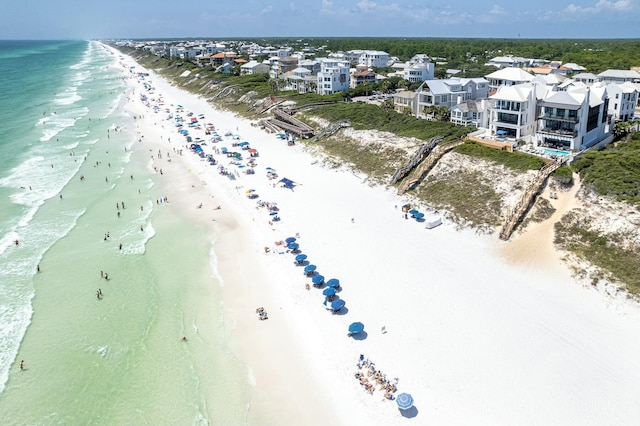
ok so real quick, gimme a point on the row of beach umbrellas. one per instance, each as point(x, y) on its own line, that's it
point(404, 401)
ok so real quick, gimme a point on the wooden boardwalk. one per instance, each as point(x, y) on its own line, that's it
point(516, 215)
point(429, 163)
point(417, 158)
point(292, 124)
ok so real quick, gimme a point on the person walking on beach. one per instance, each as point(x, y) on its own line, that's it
point(22, 364)
point(101, 274)
point(106, 276)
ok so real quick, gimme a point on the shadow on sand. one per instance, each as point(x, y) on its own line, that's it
point(358, 336)
point(410, 413)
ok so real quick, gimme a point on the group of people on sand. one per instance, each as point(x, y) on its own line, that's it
point(369, 377)
point(262, 314)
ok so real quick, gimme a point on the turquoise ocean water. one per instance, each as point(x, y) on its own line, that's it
point(120, 359)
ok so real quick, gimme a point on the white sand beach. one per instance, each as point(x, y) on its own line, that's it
point(473, 335)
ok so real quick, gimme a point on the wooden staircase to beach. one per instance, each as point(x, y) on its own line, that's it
point(287, 122)
point(427, 164)
point(515, 216)
point(331, 129)
point(420, 154)
point(224, 92)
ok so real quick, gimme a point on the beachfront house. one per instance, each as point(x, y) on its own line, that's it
point(575, 119)
point(300, 80)
point(254, 67)
point(471, 113)
point(333, 76)
point(448, 93)
point(508, 77)
point(513, 111)
point(404, 101)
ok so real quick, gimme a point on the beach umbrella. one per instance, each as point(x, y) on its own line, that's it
point(329, 292)
point(290, 240)
point(356, 327)
point(309, 268)
point(418, 215)
point(333, 282)
point(273, 213)
point(413, 211)
point(301, 257)
point(293, 246)
point(404, 401)
point(336, 305)
point(317, 279)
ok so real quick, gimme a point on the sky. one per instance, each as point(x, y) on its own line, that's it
point(217, 19)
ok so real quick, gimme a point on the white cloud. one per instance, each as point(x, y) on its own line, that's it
point(366, 6)
point(266, 9)
point(601, 6)
point(326, 6)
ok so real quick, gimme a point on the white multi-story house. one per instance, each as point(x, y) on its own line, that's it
point(254, 67)
point(419, 68)
point(310, 64)
point(333, 76)
point(508, 77)
point(575, 119)
point(370, 58)
point(513, 111)
point(619, 76)
point(622, 100)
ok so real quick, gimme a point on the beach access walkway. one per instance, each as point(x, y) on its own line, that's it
point(422, 153)
point(288, 122)
point(420, 172)
point(515, 215)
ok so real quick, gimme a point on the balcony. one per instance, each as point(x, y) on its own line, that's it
point(559, 117)
point(567, 133)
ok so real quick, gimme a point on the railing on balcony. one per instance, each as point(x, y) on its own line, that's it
point(558, 132)
point(557, 117)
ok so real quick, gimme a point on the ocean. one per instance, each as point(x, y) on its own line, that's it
point(77, 201)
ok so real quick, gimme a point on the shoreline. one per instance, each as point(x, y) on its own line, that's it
point(462, 325)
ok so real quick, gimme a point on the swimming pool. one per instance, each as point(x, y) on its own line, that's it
point(551, 151)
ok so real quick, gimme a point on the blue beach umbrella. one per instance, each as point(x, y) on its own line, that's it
point(329, 292)
point(317, 279)
point(356, 327)
point(333, 282)
point(290, 240)
point(309, 269)
point(418, 215)
point(293, 246)
point(413, 211)
point(336, 305)
point(301, 257)
point(404, 401)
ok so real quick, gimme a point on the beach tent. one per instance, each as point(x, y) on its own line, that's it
point(288, 183)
